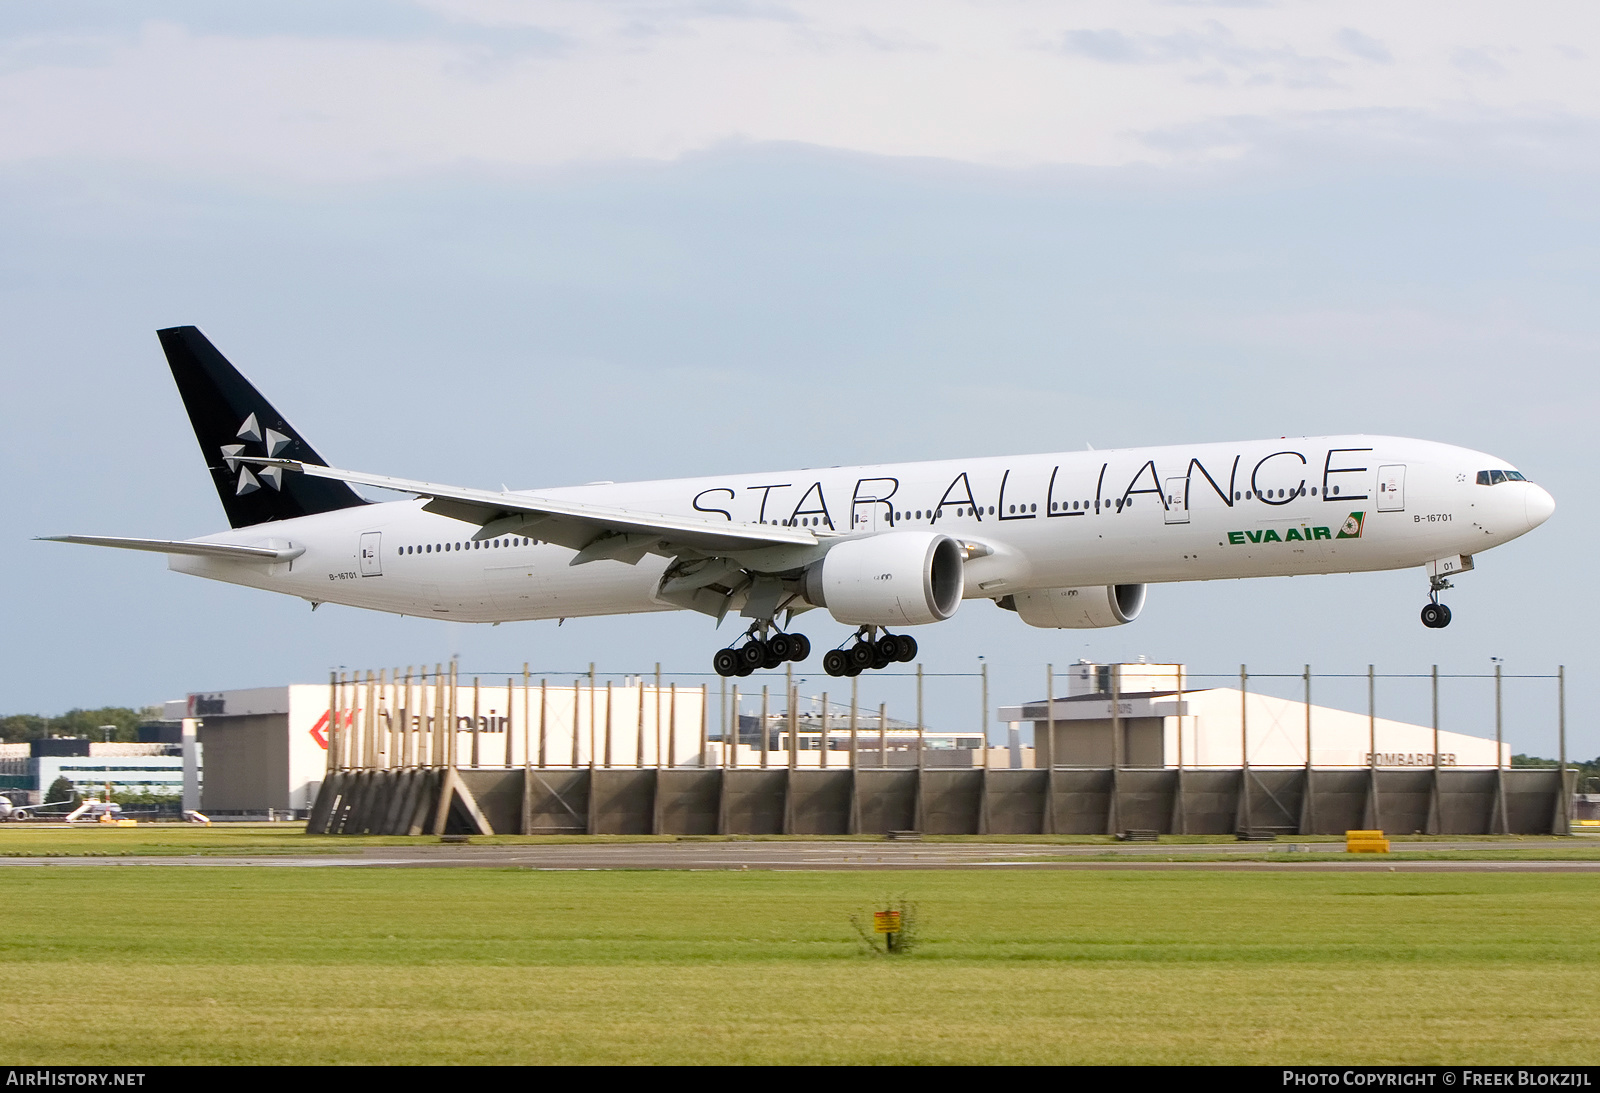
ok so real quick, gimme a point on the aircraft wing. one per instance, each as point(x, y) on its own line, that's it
point(594, 531)
point(180, 546)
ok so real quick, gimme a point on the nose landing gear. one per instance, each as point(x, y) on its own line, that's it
point(865, 652)
point(1435, 615)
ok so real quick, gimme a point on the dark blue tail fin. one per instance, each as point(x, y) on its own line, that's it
point(230, 418)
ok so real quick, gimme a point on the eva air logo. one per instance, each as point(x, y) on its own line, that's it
point(1351, 529)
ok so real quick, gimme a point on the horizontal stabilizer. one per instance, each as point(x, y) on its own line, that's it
point(179, 546)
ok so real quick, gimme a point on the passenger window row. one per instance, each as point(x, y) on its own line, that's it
point(481, 544)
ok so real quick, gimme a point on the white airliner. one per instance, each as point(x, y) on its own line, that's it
point(1065, 540)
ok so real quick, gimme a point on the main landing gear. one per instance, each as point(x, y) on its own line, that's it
point(866, 653)
point(759, 652)
point(1436, 616)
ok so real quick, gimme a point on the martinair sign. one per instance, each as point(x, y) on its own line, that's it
point(1350, 530)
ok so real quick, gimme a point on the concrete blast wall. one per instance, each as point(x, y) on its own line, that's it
point(947, 802)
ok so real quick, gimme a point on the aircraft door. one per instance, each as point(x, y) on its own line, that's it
point(1392, 488)
point(1177, 497)
point(870, 508)
point(372, 554)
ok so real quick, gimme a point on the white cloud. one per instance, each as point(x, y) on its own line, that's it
point(500, 83)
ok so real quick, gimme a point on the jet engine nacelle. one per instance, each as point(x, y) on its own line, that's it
point(1078, 608)
point(897, 578)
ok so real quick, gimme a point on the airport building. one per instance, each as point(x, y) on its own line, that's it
point(29, 769)
point(1142, 716)
point(266, 748)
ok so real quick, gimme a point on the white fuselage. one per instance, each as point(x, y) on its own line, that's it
point(1130, 516)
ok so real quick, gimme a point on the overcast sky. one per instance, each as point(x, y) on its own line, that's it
point(547, 243)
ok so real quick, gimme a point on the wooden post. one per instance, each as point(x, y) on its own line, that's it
point(730, 736)
point(1372, 719)
point(1308, 721)
point(1049, 749)
point(1565, 798)
point(592, 721)
point(331, 733)
point(527, 725)
point(1374, 818)
point(1436, 723)
point(1178, 709)
point(672, 725)
point(883, 734)
point(455, 715)
point(1247, 818)
point(983, 743)
point(510, 704)
point(920, 730)
point(1118, 751)
point(1244, 718)
point(705, 714)
point(369, 725)
point(1502, 824)
point(1434, 820)
point(386, 747)
point(639, 745)
point(1182, 799)
point(658, 715)
point(722, 715)
point(577, 719)
point(1499, 724)
point(853, 708)
point(441, 696)
point(1309, 810)
point(476, 717)
point(608, 725)
point(544, 709)
point(764, 728)
point(408, 753)
point(791, 716)
point(823, 725)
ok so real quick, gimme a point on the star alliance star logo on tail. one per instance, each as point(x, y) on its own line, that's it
point(274, 442)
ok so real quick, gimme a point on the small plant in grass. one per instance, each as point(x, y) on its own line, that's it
point(889, 928)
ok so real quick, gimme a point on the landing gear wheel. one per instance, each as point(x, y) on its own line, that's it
point(835, 662)
point(1436, 616)
point(853, 670)
point(908, 648)
point(726, 662)
point(888, 648)
point(753, 653)
point(879, 660)
point(781, 647)
point(800, 647)
point(773, 659)
point(862, 654)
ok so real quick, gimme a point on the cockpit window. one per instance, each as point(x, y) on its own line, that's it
point(1494, 478)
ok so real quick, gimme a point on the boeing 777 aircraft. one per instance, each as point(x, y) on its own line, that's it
point(1066, 540)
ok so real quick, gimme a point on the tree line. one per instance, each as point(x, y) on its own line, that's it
point(20, 727)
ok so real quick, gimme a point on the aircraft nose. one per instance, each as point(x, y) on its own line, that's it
point(1539, 505)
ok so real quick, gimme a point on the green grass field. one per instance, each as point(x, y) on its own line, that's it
point(27, 840)
point(299, 965)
